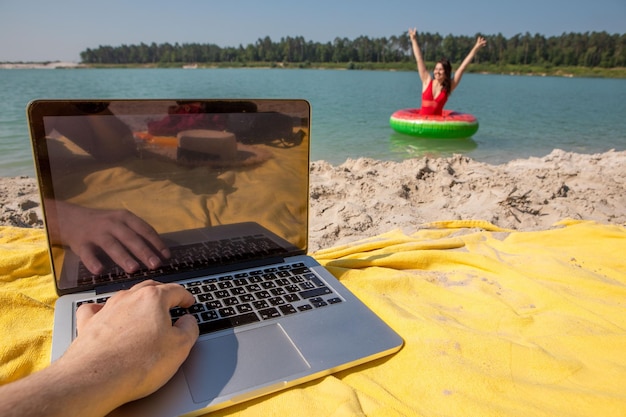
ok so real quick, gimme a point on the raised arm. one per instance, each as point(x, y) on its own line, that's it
point(417, 53)
point(480, 42)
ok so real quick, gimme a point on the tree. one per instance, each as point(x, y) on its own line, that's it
point(597, 49)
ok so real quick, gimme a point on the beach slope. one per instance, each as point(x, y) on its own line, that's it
point(365, 197)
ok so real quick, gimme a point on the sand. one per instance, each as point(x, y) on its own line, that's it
point(365, 197)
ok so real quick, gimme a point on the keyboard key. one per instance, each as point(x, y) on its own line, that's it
point(318, 302)
point(276, 301)
point(246, 298)
point(203, 298)
point(222, 294)
point(237, 291)
point(287, 309)
point(316, 292)
point(244, 308)
point(212, 305)
point(292, 288)
point(208, 315)
point(262, 294)
point(227, 323)
point(316, 281)
point(231, 301)
point(307, 285)
point(292, 298)
point(269, 313)
point(196, 308)
point(297, 280)
point(277, 291)
point(269, 277)
point(260, 304)
point(227, 311)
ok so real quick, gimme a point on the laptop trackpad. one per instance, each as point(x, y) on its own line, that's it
point(238, 361)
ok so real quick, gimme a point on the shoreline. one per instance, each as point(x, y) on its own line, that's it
point(485, 69)
point(41, 65)
point(364, 197)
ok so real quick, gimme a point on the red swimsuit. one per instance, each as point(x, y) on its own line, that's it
point(431, 105)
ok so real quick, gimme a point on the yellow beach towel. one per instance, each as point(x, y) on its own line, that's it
point(27, 299)
point(495, 323)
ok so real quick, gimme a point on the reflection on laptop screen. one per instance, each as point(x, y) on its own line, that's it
point(219, 181)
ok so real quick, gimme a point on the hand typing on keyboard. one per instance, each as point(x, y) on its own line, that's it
point(123, 236)
point(125, 350)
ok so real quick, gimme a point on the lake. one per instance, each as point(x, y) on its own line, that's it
point(519, 116)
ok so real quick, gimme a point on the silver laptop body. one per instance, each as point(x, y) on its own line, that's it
point(225, 184)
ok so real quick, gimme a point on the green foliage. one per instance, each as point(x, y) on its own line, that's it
point(536, 53)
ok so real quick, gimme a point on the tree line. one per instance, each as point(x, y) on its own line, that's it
point(590, 49)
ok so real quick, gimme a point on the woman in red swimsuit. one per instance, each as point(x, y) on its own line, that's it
point(437, 88)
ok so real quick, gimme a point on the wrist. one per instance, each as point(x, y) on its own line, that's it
point(92, 386)
point(59, 390)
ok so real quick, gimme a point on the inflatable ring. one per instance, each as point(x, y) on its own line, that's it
point(450, 125)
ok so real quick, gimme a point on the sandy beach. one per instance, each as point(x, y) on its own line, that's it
point(364, 197)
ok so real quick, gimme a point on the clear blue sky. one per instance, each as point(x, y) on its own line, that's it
point(40, 30)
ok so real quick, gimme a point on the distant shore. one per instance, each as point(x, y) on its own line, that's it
point(364, 197)
point(41, 65)
point(529, 70)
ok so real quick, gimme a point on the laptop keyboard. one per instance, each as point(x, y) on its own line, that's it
point(192, 257)
point(232, 300)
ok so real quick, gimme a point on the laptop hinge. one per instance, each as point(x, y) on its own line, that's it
point(127, 284)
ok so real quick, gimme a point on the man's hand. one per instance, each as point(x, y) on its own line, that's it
point(132, 334)
point(125, 350)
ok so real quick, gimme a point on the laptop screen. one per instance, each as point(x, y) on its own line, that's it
point(124, 177)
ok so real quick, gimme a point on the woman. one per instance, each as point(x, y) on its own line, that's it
point(437, 88)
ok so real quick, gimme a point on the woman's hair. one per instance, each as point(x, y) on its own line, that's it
point(447, 69)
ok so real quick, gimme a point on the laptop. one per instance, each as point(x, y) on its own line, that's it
point(225, 185)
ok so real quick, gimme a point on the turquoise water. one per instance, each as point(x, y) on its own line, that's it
point(519, 116)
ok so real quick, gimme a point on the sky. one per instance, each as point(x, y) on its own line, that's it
point(58, 30)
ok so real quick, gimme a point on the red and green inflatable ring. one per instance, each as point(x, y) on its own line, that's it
point(450, 125)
